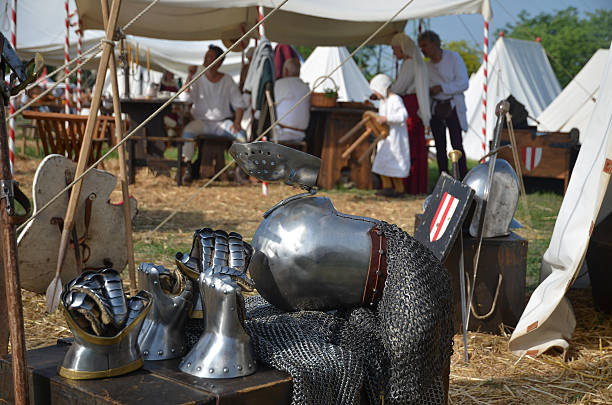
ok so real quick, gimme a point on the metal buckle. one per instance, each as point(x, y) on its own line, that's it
point(7, 190)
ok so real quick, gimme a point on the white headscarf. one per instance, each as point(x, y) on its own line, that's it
point(421, 79)
point(380, 83)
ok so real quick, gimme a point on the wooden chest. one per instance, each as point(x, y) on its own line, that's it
point(541, 154)
point(500, 282)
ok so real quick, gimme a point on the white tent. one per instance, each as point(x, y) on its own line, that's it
point(352, 85)
point(515, 67)
point(46, 35)
point(298, 22)
point(548, 320)
point(574, 106)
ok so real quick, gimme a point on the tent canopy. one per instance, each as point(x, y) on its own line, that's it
point(352, 85)
point(574, 106)
point(548, 320)
point(298, 22)
point(515, 67)
point(46, 35)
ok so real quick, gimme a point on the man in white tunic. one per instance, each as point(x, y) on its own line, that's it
point(392, 162)
point(448, 79)
point(287, 92)
point(211, 97)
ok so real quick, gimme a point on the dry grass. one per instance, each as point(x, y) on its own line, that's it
point(493, 376)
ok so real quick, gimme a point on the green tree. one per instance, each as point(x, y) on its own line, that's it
point(469, 53)
point(569, 39)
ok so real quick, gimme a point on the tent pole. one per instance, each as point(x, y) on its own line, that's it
point(14, 307)
point(485, 51)
point(12, 122)
point(66, 60)
point(122, 165)
point(55, 287)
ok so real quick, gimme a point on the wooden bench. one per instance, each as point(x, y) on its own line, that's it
point(63, 133)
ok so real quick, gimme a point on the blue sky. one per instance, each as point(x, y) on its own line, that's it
point(470, 27)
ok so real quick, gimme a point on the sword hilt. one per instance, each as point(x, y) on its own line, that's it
point(454, 156)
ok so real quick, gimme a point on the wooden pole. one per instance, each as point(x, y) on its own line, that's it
point(122, 165)
point(11, 274)
point(55, 287)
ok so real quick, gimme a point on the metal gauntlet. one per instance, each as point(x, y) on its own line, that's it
point(224, 350)
point(105, 326)
point(162, 335)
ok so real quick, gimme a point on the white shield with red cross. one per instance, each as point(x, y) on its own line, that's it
point(444, 213)
point(531, 157)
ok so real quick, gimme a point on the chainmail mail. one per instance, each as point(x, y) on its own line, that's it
point(400, 350)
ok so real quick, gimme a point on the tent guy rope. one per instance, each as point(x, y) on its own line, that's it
point(142, 124)
point(273, 124)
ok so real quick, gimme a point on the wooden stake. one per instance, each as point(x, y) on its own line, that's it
point(11, 276)
point(55, 287)
point(122, 165)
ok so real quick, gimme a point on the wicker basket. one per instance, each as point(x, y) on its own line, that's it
point(319, 99)
point(322, 100)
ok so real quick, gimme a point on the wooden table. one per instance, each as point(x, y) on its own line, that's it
point(148, 150)
point(327, 125)
point(156, 382)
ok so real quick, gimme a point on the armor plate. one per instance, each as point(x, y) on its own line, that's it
point(308, 256)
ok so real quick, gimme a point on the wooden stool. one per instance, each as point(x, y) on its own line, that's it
point(211, 156)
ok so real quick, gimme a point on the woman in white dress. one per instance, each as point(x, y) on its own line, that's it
point(392, 162)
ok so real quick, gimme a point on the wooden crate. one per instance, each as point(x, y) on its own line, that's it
point(541, 154)
point(503, 256)
point(156, 382)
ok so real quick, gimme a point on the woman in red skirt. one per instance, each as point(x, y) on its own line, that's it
point(412, 85)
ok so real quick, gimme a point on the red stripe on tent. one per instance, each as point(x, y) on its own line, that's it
point(608, 166)
point(532, 326)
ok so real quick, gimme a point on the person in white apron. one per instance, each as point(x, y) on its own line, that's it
point(392, 162)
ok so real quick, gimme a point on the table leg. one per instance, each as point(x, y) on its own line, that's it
point(179, 164)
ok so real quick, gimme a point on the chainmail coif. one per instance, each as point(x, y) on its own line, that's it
point(400, 350)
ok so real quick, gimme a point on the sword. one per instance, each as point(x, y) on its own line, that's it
point(455, 155)
point(500, 110)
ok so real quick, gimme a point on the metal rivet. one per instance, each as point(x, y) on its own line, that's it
point(174, 305)
point(173, 350)
point(250, 365)
point(155, 282)
point(378, 272)
point(188, 364)
point(160, 353)
point(225, 369)
point(211, 370)
point(256, 162)
point(263, 161)
point(145, 353)
point(226, 292)
point(212, 286)
point(212, 385)
point(374, 291)
point(198, 368)
point(239, 367)
point(381, 252)
point(379, 233)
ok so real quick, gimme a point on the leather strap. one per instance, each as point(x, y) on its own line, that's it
point(377, 272)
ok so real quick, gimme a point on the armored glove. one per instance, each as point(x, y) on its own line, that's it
point(162, 335)
point(105, 326)
point(223, 351)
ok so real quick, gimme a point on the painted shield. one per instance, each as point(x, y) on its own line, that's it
point(443, 216)
point(531, 157)
point(444, 213)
